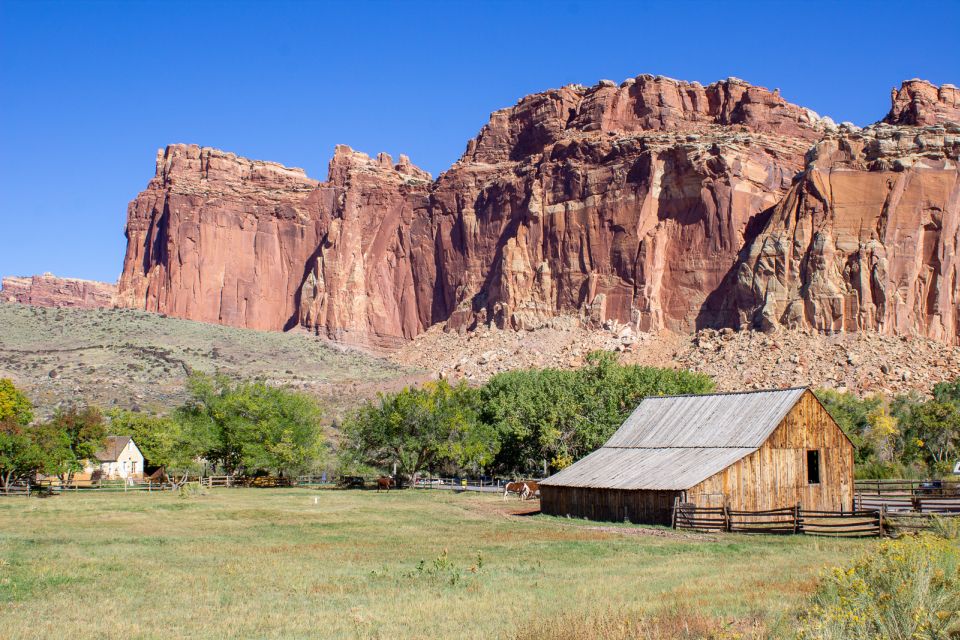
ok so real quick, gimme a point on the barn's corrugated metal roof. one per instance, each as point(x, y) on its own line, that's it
point(652, 469)
point(715, 420)
point(676, 442)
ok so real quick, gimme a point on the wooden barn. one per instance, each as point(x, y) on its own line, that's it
point(748, 451)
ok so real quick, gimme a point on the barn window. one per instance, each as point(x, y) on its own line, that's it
point(813, 467)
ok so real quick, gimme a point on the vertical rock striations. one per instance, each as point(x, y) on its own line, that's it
point(866, 239)
point(219, 238)
point(665, 204)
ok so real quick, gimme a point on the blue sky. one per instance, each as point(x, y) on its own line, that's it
point(90, 90)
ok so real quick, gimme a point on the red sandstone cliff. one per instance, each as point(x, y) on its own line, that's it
point(661, 203)
point(50, 291)
point(867, 238)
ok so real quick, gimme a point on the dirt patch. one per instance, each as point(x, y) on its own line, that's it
point(648, 532)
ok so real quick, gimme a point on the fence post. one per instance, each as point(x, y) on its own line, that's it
point(881, 516)
point(726, 518)
point(796, 519)
point(673, 518)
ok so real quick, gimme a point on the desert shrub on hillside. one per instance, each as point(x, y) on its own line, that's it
point(905, 589)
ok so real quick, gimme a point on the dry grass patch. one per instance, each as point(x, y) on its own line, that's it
point(270, 563)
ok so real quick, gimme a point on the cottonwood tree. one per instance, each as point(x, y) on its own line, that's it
point(19, 456)
point(882, 434)
point(248, 427)
point(937, 425)
point(418, 429)
point(73, 436)
point(15, 406)
point(558, 416)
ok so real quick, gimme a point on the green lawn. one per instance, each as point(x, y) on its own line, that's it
point(299, 563)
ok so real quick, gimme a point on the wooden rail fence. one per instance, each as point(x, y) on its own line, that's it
point(783, 521)
point(908, 487)
point(905, 502)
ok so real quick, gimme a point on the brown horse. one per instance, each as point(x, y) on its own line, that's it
point(523, 488)
point(385, 482)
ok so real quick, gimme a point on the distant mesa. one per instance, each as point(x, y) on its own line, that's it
point(48, 290)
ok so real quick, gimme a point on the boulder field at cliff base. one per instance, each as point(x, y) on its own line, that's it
point(656, 203)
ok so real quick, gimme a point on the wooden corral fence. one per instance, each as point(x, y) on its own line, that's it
point(787, 520)
point(880, 507)
point(908, 487)
point(913, 522)
point(15, 490)
point(908, 496)
point(55, 487)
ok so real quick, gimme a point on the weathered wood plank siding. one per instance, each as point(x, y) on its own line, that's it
point(776, 474)
point(612, 505)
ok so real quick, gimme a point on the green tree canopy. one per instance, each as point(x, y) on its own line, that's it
point(562, 415)
point(19, 456)
point(72, 436)
point(419, 428)
point(248, 427)
point(937, 427)
point(853, 415)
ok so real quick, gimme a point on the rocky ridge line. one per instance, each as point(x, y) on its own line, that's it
point(656, 203)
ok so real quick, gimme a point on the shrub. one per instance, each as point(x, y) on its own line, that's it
point(903, 589)
point(945, 527)
point(192, 490)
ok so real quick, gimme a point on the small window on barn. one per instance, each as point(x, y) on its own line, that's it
point(813, 467)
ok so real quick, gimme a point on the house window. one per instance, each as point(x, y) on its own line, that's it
point(813, 467)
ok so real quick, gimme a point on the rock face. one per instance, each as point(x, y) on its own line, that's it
point(218, 238)
point(920, 103)
point(658, 203)
point(867, 238)
point(50, 291)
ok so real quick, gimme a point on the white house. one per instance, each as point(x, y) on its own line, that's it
point(120, 458)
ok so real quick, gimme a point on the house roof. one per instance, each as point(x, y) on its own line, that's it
point(111, 451)
point(675, 442)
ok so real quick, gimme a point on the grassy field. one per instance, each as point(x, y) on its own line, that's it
point(298, 563)
point(132, 358)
